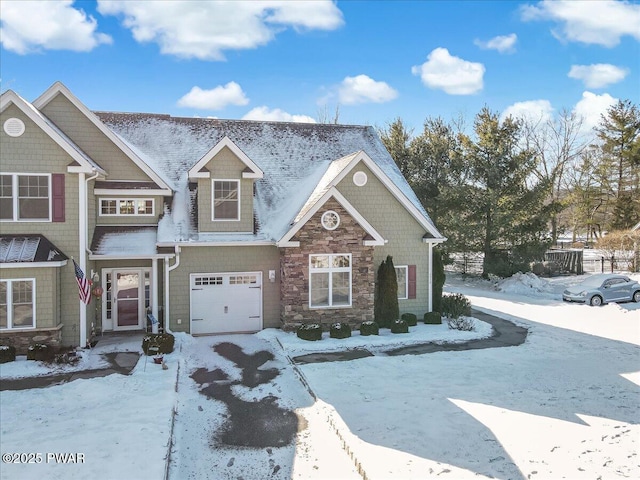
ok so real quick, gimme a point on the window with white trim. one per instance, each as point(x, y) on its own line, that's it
point(226, 200)
point(402, 274)
point(17, 305)
point(25, 197)
point(330, 280)
point(126, 207)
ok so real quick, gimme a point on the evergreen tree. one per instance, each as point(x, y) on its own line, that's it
point(619, 132)
point(509, 214)
point(385, 308)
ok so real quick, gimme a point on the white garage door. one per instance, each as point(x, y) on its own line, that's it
point(226, 302)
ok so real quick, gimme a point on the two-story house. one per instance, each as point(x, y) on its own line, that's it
point(213, 226)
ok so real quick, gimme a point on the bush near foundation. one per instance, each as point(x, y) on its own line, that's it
point(40, 352)
point(369, 328)
point(455, 306)
point(399, 326)
point(340, 330)
point(164, 342)
point(464, 324)
point(309, 331)
point(7, 353)
point(410, 318)
point(433, 318)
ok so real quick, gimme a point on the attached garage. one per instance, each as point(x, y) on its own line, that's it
point(226, 302)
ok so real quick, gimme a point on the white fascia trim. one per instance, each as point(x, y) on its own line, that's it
point(95, 256)
point(332, 192)
point(395, 191)
point(10, 97)
point(132, 193)
point(255, 243)
point(434, 241)
point(195, 172)
point(61, 263)
point(59, 87)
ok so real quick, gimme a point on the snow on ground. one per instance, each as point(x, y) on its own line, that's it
point(562, 405)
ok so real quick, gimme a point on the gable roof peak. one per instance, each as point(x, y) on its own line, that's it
point(199, 170)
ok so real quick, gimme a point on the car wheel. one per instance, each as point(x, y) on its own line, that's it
point(636, 297)
point(596, 301)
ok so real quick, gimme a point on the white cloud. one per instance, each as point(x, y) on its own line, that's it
point(591, 107)
point(363, 89)
point(530, 110)
point(276, 115)
point(205, 29)
point(598, 75)
point(501, 43)
point(33, 26)
point(587, 21)
point(215, 99)
point(452, 74)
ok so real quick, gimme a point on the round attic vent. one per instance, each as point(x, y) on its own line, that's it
point(14, 127)
point(360, 179)
point(330, 220)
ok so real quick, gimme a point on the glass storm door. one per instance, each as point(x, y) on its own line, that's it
point(127, 299)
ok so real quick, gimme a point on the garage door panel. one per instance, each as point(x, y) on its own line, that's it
point(226, 303)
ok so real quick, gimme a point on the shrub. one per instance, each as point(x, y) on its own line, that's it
point(164, 342)
point(309, 331)
point(456, 305)
point(340, 330)
point(399, 326)
point(433, 318)
point(369, 328)
point(7, 353)
point(385, 300)
point(464, 324)
point(40, 352)
point(410, 318)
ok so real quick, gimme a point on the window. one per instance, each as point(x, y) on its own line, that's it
point(226, 200)
point(330, 220)
point(17, 306)
point(126, 206)
point(330, 280)
point(25, 197)
point(401, 274)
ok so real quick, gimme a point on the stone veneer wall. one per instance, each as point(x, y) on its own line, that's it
point(294, 270)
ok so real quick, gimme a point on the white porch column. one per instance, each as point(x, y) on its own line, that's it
point(154, 296)
point(430, 276)
point(82, 250)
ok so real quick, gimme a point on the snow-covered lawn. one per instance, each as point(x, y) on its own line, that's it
point(563, 405)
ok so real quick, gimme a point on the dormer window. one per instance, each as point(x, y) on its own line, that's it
point(226, 200)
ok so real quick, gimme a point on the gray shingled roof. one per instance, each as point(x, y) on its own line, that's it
point(28, 249)
point(294, 158)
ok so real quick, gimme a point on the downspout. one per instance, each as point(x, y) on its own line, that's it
point(430, 270)
point(168, 269)
point(83, 221)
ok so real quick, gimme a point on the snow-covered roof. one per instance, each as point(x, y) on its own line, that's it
point(130, 241)
point(28, 249)
point(299, 160)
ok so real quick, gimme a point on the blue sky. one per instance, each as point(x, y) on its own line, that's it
point(286, 60)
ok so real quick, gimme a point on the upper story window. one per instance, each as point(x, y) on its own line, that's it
point(226, 200)
point(17, 309)
point(25, 197)
point(126, 207)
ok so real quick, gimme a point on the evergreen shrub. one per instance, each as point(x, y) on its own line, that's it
point(410, 318)
point(369, 328)
point(309, 331)
point(455, 306)
point(7, 353)
point(164, 342)
point(40, 352)
point(433, 318)
point(339, 330)
point(385, 300)
point(439, 278)
point(399, 326)
point(464, 324)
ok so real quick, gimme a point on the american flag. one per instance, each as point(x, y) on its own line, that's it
point(84, 284)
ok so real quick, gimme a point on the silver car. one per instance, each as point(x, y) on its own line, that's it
point(603, 288)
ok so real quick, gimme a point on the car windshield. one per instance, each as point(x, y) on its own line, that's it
point(595, 281)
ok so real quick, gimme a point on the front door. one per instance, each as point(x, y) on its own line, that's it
point(127, 295)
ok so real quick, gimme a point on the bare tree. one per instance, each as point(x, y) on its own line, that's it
point(325, 117)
